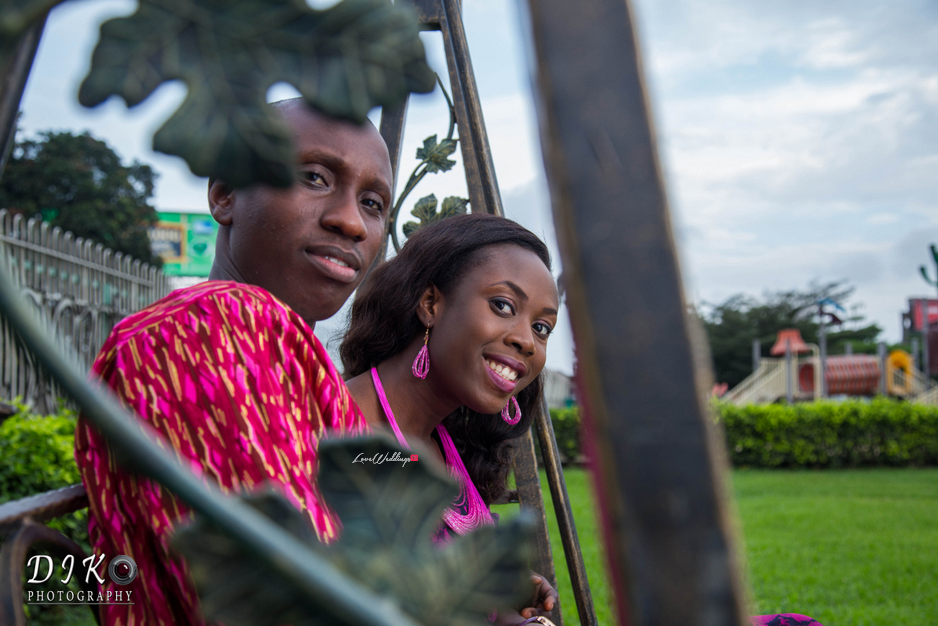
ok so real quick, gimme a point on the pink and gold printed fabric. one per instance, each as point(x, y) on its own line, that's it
point(243, 391)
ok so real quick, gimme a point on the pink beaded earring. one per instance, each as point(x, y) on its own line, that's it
point(422, 362)
point(505, 416)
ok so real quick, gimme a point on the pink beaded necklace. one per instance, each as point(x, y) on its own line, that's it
point(469, 500)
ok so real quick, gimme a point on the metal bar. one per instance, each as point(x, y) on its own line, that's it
point(822, 349)
point(42, 507)
point(565, 522)
point(29, 534)
point(477, 155)
point(392, 130)
point(19, 243)
point(643, 385)
point(14, 72)
point(485, 197)
point(322, 582)
point(881, 358)
point(528, 483)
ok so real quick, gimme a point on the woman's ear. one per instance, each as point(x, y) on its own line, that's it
point(430, 305)
point(221, 201)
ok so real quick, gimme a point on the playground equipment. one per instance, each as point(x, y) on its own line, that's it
point(799, 378)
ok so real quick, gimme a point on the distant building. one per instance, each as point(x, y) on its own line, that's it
point(913, 320)
point(558, 389)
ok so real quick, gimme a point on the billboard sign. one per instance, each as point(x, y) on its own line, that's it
point(185, 242)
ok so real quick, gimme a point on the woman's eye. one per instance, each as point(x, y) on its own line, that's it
point(503, 306)
point(542, 329)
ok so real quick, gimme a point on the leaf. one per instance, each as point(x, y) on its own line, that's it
point(410, 228)
point(344, 60)
point(17, 15)
point(454, 205)
point(388, 512)
point(425, 209)
point(435, 154)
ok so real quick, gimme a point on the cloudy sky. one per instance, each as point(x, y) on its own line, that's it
point(799, 139)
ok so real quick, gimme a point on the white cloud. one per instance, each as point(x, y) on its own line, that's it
point(882, 218)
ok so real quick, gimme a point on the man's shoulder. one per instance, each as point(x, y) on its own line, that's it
point(211, 305)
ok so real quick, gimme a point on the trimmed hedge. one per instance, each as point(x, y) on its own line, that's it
point(37, 454)
point(854, 433)
point(567, 431)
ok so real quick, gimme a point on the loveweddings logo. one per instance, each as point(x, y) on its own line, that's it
point(385, 457)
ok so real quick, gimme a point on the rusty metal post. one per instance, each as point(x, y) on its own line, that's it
point(565, 523)
point(659, 465)
point(15, 65)
point(528, 482)
point(484, 196)
point(392, 131)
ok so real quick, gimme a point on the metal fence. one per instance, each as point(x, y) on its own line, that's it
point(79, 289)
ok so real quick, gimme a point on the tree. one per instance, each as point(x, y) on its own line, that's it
point(78, 183)
point(733, 325)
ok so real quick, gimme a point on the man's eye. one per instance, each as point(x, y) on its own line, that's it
point(375, 205)
point(313, 177)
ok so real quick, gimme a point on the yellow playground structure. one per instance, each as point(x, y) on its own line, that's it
point(794, 373)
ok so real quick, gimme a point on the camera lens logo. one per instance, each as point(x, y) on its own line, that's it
point(122, 570)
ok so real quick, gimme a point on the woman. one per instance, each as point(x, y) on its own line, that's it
point(445, 346)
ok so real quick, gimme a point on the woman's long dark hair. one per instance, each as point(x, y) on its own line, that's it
point(384, 322)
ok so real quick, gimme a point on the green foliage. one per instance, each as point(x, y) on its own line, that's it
point(38, 454)
point(78, 183)
point(831, 434)
point(425, 211)
point(389, 512)
point(566, 424)
point(344, 60)
point(732, 326)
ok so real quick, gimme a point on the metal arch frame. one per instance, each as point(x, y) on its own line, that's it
point(484, 196)
point(643, 367)
point(671, 551)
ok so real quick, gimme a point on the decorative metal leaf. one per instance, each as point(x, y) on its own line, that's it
point(454, 205)
point(435, 154)
point(234, 588)
point(389, 511)
point(344, 60)
point(425, 211)
point(410, 228)
point(16, 15)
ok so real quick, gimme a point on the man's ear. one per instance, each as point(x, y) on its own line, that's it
point(430, 305)
point(220, 201)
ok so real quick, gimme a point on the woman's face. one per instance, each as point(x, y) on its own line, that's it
point(489, 336)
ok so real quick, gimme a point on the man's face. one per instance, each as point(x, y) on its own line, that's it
point(311, 244)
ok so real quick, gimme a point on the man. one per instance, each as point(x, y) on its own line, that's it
point(229, 371)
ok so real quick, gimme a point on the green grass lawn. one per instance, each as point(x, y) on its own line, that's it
point(848, 547)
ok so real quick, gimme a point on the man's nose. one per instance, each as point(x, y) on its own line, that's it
point(342, 215)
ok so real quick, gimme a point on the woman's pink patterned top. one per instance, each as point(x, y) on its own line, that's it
point(240, 387)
